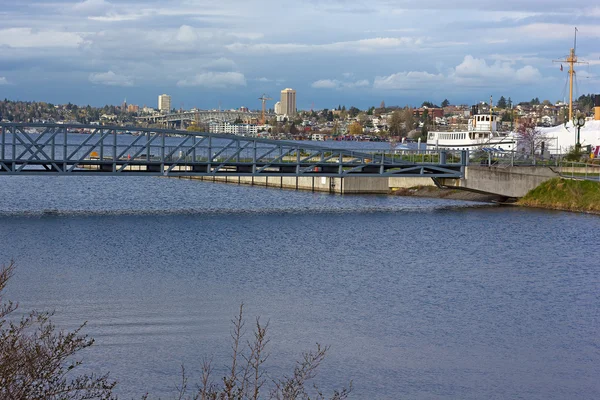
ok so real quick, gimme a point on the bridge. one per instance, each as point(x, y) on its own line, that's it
point(72, 149)
point(187, 117)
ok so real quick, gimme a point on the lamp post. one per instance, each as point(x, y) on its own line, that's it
point(578, 122)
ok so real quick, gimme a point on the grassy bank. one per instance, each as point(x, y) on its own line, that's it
point(565, 194)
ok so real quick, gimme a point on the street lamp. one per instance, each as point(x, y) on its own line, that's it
point(578, 122)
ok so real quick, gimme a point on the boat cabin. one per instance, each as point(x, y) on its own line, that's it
point(483, 123)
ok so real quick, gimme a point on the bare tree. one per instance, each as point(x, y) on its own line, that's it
point(37, 360)
point(408, 119)
point(247, 375)
point(396, 124)
point(529, 138)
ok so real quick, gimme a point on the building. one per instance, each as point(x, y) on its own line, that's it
point(277, 108)
point(164, 103)
point(233, 129)
point(288, 102)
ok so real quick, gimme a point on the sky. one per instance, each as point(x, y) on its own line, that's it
point(227, 53)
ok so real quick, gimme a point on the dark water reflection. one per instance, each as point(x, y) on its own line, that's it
point(418, 298)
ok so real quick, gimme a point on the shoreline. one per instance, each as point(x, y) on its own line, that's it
point(449, 194)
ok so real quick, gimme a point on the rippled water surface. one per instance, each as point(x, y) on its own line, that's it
point(418, 298)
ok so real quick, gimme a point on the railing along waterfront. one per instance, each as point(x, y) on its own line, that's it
point(88, 149)
point(578, 170)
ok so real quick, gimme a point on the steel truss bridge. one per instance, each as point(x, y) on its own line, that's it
point(201, 117)
point(62, 149)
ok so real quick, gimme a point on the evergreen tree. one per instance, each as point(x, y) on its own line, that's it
point(502, 102)
point(445, 103)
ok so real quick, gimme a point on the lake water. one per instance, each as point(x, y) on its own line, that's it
point(418, 298)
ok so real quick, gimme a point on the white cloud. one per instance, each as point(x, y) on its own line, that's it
point(550, 31)
point(110, 79)
point(186, 34)
point(408, 80)
point(220, 64)
point(215, 80)
point(325, 84)
point(471, 72)
point(30, 38)
point(477, 71)
point(3, 80)
point(92, 7)
point(363, 45)
point(337, 84)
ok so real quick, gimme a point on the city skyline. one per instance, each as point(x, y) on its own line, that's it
point(205, 55)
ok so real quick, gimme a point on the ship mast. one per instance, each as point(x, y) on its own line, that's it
point(571, 60)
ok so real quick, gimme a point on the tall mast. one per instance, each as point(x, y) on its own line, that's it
point(571, 60)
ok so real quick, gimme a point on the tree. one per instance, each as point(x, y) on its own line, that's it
point(428, 104)
point(355, 129)
point(425, 117)
point(353, 112)
point(529, 138)
point(36, 360)
point(424, 132)
point(445, 103)
point(396, 123)
point(408, 119)
point(362, 118)
point(502, 102)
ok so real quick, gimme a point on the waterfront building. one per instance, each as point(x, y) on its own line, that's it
point(164, 103)
point(233, 129)
point(288, 102)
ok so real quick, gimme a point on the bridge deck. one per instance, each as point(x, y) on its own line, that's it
point(100, 150)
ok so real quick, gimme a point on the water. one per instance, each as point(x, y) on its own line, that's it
point(418, 298)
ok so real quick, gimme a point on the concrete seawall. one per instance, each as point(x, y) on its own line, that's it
point(348, 185)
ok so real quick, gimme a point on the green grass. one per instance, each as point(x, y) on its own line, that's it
point(565, 194)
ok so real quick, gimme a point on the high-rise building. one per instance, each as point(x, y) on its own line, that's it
point(164, 103)
point(288, 102)
point(278, 108)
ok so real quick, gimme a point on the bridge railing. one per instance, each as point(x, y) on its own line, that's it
point(579, 170)
point(504, 159)
point(69, 148)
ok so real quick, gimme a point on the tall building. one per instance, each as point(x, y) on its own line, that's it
point(164, 103)
point(288, 102)
point(278, 108)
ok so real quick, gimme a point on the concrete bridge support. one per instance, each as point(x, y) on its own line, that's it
point(503, 181)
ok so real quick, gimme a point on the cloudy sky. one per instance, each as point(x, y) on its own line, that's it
point(352, 52)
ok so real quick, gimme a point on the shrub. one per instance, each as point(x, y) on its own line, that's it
point(37, 360)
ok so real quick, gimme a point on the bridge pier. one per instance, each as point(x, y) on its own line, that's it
point(503, 181)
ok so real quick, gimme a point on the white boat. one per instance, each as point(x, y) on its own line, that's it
point(481, 133)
